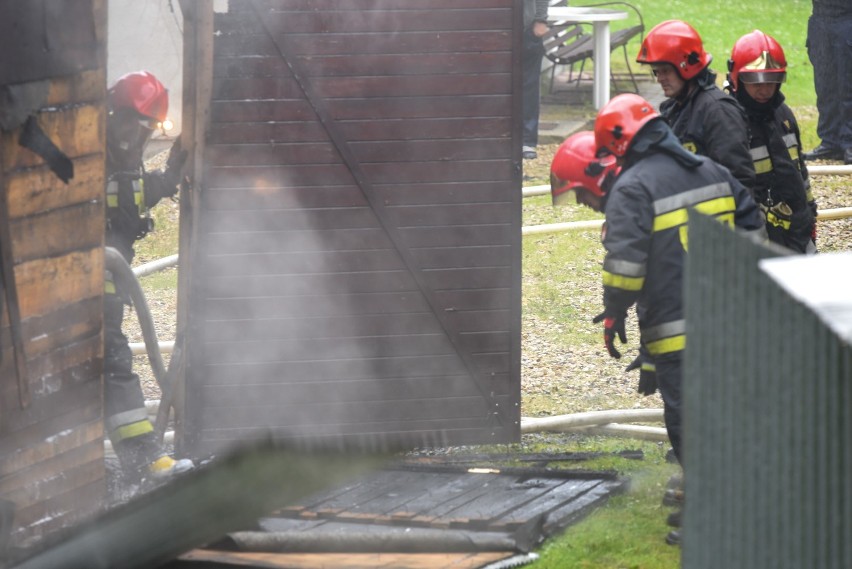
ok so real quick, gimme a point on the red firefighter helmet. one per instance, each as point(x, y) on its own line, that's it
point(142, 92)
point(677, 43)
point(576, 167)
point(757, 58)
point(619, 121)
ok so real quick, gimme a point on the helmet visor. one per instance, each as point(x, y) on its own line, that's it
point(763, 76)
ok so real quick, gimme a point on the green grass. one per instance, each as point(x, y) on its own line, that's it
point(720, 24)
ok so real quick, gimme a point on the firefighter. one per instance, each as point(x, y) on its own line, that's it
point(706, 120)
point(137, 104)
point(576, 168)
point(645, 237)
point(756, 70)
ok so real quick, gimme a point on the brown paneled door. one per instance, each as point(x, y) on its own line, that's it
point(355, 270)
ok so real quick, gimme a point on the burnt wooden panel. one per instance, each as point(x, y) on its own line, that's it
point(51, 445)
point(41, 39)
point(357, 264)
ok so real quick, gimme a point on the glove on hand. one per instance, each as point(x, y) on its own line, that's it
point(647, 374)
point(174, 166)
point(613, 324)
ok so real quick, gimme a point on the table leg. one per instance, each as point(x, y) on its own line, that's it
point(601, 54)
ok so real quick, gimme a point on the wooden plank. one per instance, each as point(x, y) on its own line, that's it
point(88, 86)
point(474, 299)
point(296, 285)
point(390, 21)
point(318, 305)
point(56, 473)
point(59, 232)
point(260, 351)
point(386, 151)
point(69, 324)
point(328, 327)
point(39, 442)
point(449, 234)
point(560, 496)
point(60, 512)
point(436, 85)
point(283, 241)
point(334, 370)
point(362, 130)
point(357, 499)
point(48, 284)
point(37, 190)
point(238, 43)
point(347, 390)
point(375, 108)
point(77, 131)
point(316, 262)
point(349, 560)
point(392, 64)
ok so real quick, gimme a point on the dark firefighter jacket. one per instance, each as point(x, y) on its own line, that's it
point(782, 188)
point(711, 123)
point(129, 197)
point(645, 233)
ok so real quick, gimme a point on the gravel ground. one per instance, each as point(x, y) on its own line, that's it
point(576, 381)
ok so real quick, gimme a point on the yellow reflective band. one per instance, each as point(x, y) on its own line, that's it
point(622, 282)
point(678, 217)
point(794, 152)
point(112, 200)
point(109, 287)
point(646, 366)
point(809, 195)
point(776, 221)
point(132, 430)
point(763, 166)
point(667, 345)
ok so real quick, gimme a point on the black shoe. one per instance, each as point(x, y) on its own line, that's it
point(673, 538)
point(528, 153)
point(673, 497)
point(847, 156)
point(823, 152)
point(675, 518)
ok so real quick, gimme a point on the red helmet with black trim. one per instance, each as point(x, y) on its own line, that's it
point(619, 121)
point(576, 167)
point(677, 43)
point(142, 92)
point(757, 58)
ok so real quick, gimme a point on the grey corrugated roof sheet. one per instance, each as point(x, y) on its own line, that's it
point(822, 282)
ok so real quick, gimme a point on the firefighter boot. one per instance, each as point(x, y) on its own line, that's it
point(166, 467)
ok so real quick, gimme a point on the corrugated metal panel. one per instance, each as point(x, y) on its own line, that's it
point(768, 425)
point(51, 442)
point(358, 272)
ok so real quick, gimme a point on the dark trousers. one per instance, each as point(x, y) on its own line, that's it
point(533, 53)
point(669, 382)
point(830, 51)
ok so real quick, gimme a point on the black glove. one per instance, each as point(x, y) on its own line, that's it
point(174, 166)
point(647, 374)
point(613, 324)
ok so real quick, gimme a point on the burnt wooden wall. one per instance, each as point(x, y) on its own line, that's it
point(355, 269)
point(51, 431)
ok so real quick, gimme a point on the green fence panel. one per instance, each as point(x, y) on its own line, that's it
point(767, 415)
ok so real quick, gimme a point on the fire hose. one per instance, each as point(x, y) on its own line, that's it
point(126, 280)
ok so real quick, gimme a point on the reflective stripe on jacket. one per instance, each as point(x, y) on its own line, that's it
point(646, 238)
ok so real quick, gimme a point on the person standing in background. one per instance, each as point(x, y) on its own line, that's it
point(829, 46)
point(757, 69)
point(706, 120)
point(535, 26)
